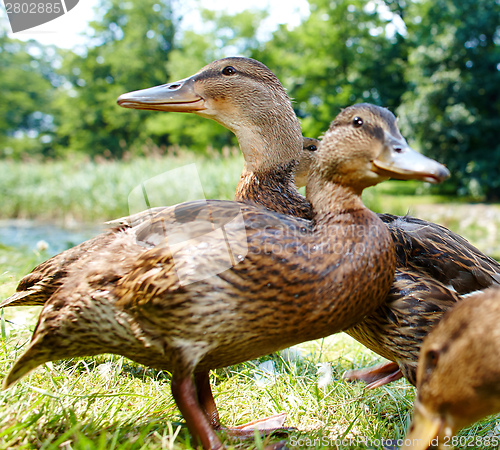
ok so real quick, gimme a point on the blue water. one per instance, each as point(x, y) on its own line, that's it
point(28, 234)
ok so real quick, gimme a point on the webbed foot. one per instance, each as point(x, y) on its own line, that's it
point(375, 376)
point(266, 426)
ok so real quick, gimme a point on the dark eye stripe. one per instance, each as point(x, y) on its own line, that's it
point(211, 73)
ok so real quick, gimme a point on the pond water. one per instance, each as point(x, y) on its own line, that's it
point(28, 234)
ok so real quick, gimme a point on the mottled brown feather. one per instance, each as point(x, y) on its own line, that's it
point(436, 268)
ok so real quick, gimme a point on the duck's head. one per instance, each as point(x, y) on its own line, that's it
point(363, 147)
point(241, 94)
point(309, 147)
point(458, 375)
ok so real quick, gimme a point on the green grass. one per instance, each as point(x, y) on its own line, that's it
point(109, 402)
point(90, 192)
point(83, 191)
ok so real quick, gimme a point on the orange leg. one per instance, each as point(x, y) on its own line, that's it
point(206, 400)
point(375, 376)
point(185, 395)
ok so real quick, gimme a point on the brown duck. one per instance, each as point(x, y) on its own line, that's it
point(256, 100)
point(152, 297)
point(434, 266)
point(458, 375)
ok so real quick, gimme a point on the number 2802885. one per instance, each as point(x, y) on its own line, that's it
point(33, 8)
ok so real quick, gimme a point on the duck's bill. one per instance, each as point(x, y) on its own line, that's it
point(400, 161)
point(424, 430)
point(178, 96)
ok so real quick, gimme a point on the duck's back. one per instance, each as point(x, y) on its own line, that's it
point(153, 293)
point(443, 255)
point(436, 269)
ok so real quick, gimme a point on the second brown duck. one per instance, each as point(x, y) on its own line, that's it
point(434, 266)
point(436, 269)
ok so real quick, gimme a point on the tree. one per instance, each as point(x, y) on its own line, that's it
point(28, 80)
point(453, 106)
point(344, 52)
point(129, 50)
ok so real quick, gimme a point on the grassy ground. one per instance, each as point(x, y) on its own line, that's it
point(108, 402)
point(82, 191)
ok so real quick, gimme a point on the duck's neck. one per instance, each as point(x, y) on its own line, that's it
point(274, 190)
point(272, 146)
point(269, 133)
point(353, 251)
point(331, 199)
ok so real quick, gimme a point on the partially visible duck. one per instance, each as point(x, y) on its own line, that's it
point(309, 147)
point(458, 375)
point(436, 269)
point(150, 298)
point(246, 97)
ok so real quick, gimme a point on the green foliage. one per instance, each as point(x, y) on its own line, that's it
point(27, 79)
point(438, 61)
point(128, 50)
point(453, 108)
point(343, 53)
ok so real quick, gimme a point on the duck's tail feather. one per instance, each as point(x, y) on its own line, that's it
point(36, 354)
point(25, 298)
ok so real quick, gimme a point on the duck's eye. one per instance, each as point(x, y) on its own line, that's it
point(431, 360)
point(229, 70)
point(357, 122)
point(312, 148)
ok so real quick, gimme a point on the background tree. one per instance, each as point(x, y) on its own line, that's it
point(437, 60)
point(346, 51)
point(452, 106)
point(28, 81)
point(128, 50)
